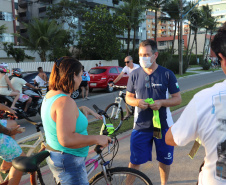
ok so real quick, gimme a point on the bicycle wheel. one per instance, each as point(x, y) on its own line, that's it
point(115, 114)
point(119, 175)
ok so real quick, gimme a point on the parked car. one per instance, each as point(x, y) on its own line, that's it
point(30, 75)
point(101, 76)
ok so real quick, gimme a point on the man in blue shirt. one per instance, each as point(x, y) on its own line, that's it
point(156, 82)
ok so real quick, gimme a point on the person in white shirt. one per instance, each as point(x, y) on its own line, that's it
point(41, 78)
point(129, 67)
point(205, 118)
point(18, 82)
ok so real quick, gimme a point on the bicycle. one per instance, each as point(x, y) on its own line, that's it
point(38, 137)
point(115, 111)
point(108, 175)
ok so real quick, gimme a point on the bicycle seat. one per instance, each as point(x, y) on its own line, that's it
point(29, 164)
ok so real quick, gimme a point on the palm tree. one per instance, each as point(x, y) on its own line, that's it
point(172, 9)
point(155, 5)
point(138, 11)
point(125, 11)
point(196, 21)
point(43, 35)
point(212, 25)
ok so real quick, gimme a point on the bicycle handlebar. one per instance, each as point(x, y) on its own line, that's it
point(99, 111)
point(120, 86)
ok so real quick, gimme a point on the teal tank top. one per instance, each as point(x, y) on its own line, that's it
point(50, 128)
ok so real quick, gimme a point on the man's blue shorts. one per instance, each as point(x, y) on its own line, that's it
point(141, 148)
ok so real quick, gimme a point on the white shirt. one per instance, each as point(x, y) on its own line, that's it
point(128, 70)
point(205, 117)
point(18, 83)
point(40, 81)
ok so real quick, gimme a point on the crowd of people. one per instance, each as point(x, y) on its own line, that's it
point(65, 124)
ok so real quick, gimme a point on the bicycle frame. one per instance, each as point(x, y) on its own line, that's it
point(119, 100)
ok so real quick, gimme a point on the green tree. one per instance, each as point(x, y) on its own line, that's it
point(172, 9)
point(137, 18)
point(99, 38)
point(43, 36)
point(125, 10)
point(69, 12)
point(17, 53)
point(196, 21)
point(3, 29)
point(155, 5)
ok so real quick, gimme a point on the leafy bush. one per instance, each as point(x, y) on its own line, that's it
point(206, 66)
point(193, 60)
point(173, 65)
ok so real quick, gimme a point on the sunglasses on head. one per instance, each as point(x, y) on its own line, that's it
point(126, 62)
point(58, 61)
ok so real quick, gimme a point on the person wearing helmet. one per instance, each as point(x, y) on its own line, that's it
point(18, 83)
point(5, 82)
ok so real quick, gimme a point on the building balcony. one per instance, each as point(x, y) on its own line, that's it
point(153, 29)
point(153, 23)
point(163, 35)
point(23, 3)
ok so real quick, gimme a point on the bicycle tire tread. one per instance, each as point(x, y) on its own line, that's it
point(121, 169)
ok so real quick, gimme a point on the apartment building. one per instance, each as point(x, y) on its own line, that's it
point(218, 8)
point(164, 28)
point(8, 14)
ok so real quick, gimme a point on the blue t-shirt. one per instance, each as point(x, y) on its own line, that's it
point(85, 76)
point(157, 86)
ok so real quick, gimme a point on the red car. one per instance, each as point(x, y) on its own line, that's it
point(102, 75)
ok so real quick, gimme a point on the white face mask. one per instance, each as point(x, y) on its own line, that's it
point(145, 62)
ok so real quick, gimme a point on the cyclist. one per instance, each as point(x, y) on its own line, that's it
point(9, 148)
point(129, 67)
point(65, 125)
point(5, 82)
point(18, 83)
point(205, 118)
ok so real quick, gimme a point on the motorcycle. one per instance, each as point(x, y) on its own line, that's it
point(33, 109)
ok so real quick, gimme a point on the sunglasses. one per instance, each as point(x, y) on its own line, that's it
point(147, 82)
point(126, 62)
point(58, 61)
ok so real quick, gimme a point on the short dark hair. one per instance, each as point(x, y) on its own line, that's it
point(62, 75)
point(40, 69)
point(151, 43)
point(218, 44)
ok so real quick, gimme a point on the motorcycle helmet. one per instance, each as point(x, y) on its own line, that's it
point(17, 72)
point(3, 68)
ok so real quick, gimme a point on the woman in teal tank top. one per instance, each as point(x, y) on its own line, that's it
point(65, 124)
